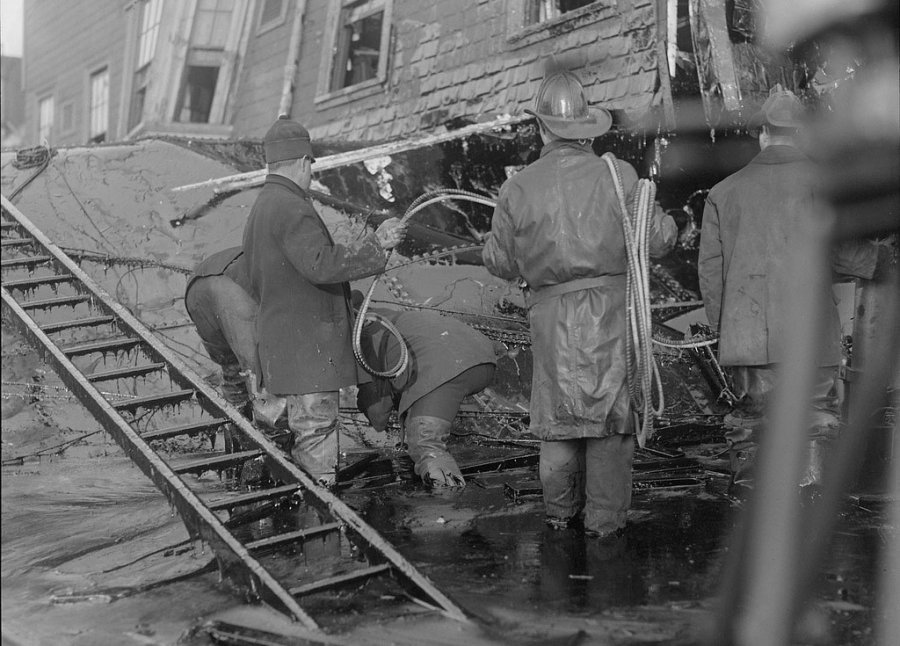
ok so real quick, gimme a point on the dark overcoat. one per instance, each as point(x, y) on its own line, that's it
point(752, 221)
point(557, 221)
point(300, 278)
point(440, 348)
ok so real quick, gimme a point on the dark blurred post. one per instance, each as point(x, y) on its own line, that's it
point(778, 552)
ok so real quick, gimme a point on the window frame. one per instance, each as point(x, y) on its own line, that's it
point(263, 27)
point(518, 34)
point(229, 57)
point(143, 61)
point(92, 75)
point(338, 9)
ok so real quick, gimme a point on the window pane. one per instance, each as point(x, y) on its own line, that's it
point(362, 40)
point(271, 10)
point(45, 118)
point(99, 105)
point(211, 23)
point(150, 17)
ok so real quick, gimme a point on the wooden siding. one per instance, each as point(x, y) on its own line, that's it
point(453, 59)
point(64, 43)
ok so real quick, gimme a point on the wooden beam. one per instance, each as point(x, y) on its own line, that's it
point(257, 177)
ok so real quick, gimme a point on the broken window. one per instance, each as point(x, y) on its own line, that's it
point(537, 11)
point(197, 94)
point(359, 45)
point(211, 34)
point(99, 109)
point(45, 118)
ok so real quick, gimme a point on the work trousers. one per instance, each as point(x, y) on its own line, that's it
point(589, 477)
point(443, 402)
point(754, 386)
point(225, 317)
point(313, 421)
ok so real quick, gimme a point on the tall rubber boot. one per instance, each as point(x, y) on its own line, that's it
point(313, 421)
point(427, 440)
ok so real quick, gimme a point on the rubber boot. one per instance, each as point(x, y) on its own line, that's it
point(267, 408)
point(427, 441)
point(313, 421)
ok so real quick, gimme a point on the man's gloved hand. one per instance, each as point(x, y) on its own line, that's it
point(390, 233)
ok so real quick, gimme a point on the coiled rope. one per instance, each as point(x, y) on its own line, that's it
point(426, 199)
point(643, 372)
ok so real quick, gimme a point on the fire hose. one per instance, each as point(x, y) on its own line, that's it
point(426, 199)
point(642, 369)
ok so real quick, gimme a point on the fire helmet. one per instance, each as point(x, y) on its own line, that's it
point(561, 106)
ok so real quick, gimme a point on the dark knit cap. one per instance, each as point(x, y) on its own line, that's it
point(285, 140)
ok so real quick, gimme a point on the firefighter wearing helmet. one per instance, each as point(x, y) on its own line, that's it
point(558, 226)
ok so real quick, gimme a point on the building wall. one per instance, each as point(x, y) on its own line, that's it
point(449, 61)
point(454, 59)
point(64, 43)
point(259, 88)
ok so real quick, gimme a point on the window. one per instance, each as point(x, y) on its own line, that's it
point(45, 118)
point(358, 45)
point(537, 11)
point(67, 117)
point(197, 94)
point(210, 34)
point(151, 14)
point(532, 21)
point(271, 14)
point(99, 106)
point(356, 48)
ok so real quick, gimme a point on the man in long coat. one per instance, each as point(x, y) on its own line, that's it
point(448, 360)
point(558, 225)
point(751, 222)
point(300, 278)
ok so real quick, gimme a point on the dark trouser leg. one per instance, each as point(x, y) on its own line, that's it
point(562, 465)
point(313, 420)
point(428, 424)
point(823, 427)
point(607, 482)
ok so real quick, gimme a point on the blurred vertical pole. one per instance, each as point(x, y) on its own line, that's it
point(888, 627)
point(773, 524)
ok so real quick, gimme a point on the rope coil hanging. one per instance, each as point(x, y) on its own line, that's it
point(426, 199)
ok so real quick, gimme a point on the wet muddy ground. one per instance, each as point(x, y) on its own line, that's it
point(92, 553)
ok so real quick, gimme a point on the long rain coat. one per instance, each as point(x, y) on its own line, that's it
point(558, 220)
point(751, 221)
point(299, 276)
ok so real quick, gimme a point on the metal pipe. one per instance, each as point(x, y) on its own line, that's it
point(293, 60)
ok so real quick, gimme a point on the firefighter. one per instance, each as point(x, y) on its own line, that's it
point(558, 226)
point(448, 360)
point(299, 275)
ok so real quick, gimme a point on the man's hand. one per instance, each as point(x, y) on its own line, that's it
point(390, 233)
